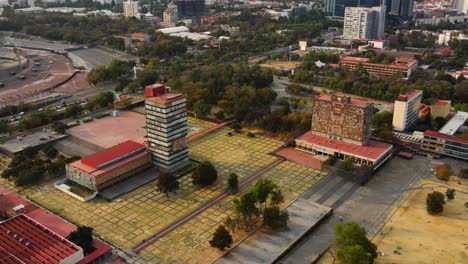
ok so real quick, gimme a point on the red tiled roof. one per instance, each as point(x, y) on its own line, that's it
point(115, 153)
point(114, 166)
point(410, 95)
point(166, 98)
point(100, 249)
point(139, 35)
point(441, 103)
point(22, 238)
point(444, 136)
point(354, 101)
point(373, 150)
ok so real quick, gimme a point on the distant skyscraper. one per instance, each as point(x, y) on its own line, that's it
point(337, 7)
point(403, 8)
point(363, 22)
point(130, 8)
point(171, 15)
point(190, 8)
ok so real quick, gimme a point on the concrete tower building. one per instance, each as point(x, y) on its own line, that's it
point(130, 8)
point(166, 126)
point(171, 15)
point(362, 22)
point(406, 110)
point(403, 8)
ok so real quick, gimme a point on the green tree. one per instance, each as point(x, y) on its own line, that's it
point(73, 110)
point(350, 234)
point(83, 237)
point(236, 126)
point(450, 194)
point(132, 87)
point(230, 223)
point(3, 126)
point(167, 183)
point(233, 183)
point(274, 218)
point(204, 174)
point(50, 151)
point(246, 209)
point(201, 108)
point(347, 164)
point(354, 254)
point(221, 238)
point(262, 190)
point(59, 127)
point(435, 203)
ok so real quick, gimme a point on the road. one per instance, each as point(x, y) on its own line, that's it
point(30, 41)
point(367, 205)
point(279, 86)
point(91, 57)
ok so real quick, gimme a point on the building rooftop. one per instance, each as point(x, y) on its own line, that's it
point(111, 155)
point(445, 136)
point(172, 30)
point(352, 101)
point(23, 240)
point(139, 35)
point(441, 103)
point(399, 63)
point(373, 150)
point(409, 96)
point(165, 98)
point(451, 127)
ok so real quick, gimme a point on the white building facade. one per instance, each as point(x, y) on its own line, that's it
point(364, 23)
point(130, 8)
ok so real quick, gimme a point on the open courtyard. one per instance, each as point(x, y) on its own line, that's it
point(414, 236)
point(139, 214)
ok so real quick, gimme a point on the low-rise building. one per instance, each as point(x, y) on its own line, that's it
point(341, 128)
point(448, 145)
point(401, 66)
point(440, 108)
point(139, 36)
point(23, 240)
point(109, 166)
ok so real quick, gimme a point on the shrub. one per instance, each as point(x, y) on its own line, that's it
point(450, 194)
point(221, 238)
point(443, 172)
point(205, 174)
point(219, 115)
point(101, 115)
point(435, 203)
point(87, 120)
point(236, 127)
point(251, 135)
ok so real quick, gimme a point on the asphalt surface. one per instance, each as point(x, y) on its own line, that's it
point(91, 57)
point(366, 205)
point(279, 85)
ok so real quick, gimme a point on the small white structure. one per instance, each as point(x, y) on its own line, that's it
point(302, 45)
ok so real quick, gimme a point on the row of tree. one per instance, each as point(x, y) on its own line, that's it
point(29, 167)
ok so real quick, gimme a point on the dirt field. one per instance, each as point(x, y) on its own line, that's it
point(281, 65)
point(422, 238)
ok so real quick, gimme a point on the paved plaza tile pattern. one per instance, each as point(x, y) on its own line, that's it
point(137, 215)
point(189, 243)
point(140, 213)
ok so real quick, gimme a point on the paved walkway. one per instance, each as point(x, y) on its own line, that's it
point(266, 246)
point(366, 205)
